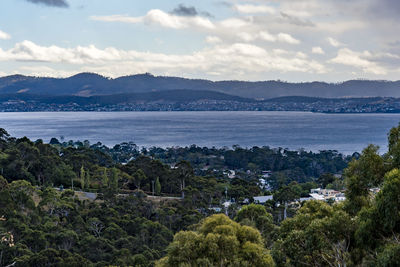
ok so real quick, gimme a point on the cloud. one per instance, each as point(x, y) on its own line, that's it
point(213, 40)
point(183, 10)
point(118, 18)
point(160, 18)
point(266, 36)
point(287, 38)
point(333, 42)
point(360, 60)
point(297, 21)
point(235, 23)
point(252, 9)
point(54, 3)
point(317, 50)
point(386, 8)
point(189, 11)
point(229, 60)
point(4, 35)
point(45, 71)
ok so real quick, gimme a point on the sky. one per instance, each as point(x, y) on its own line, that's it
point(291, 40)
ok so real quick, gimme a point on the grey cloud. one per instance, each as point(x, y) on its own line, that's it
point(367, 9)
point(188, 11)
point(386, 8)
point(297, 21)
point(54, 3)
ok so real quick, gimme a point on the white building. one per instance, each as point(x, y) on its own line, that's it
point(263, 199)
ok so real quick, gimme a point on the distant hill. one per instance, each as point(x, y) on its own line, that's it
point(172, 96)
point(89, 84)
point(306, 99)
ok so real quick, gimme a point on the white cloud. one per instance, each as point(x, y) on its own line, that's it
point(317, 50)
point(247, 37)
point(160, 18)
point(45, 71)
point(287, 38)
point(213, 40)
point(333, 42)
point(360, 60)
point(266, 36)
point(118, 18)
point(234, 23)
point(228, 60)
point(248, 8)
point(4, 35)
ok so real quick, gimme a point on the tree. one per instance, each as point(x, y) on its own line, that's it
point(158, 186)
point(218, 241)
point(4, 136)
point(87, 180)
point(113, 182)
point(361, 175)
point(185, 171)
point(287, 194)
point(258, 217)
point(82, 177)
point(394, 146)
point(104, 178)
point(319, 235)
point(138, 177)
point(54, 141)
point(325, 179)
point(95, 226)
point(380, 222)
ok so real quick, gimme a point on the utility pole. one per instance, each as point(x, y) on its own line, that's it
point(152, 186)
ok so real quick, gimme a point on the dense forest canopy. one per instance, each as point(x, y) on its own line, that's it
point(81, 204)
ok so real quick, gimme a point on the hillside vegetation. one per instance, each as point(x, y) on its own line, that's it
point(44, 222)
point(87, 84)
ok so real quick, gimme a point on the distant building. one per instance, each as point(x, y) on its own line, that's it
point(266, 174)
point(327, 194)
point(375, 190)
point(316, 196)
point(230, 173)
point(263, 184)
point(263, 199)
point(216, 209)
point(227, 204)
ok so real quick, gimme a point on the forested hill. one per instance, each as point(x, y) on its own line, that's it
point(156, 212)
point(88, 84)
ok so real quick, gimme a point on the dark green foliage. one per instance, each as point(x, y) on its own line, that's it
point(44, 226)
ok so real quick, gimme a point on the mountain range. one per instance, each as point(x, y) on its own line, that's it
point(149, 87)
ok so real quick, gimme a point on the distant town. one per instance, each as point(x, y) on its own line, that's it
point(319, 105)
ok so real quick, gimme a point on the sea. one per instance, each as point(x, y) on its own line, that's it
point(346, 133)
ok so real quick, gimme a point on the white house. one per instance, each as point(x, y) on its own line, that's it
point(263, 199)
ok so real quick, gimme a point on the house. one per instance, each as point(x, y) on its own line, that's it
point(324, 192)
point(327, 194)
point(230, 173)
point(340, 197)
point(316, 196)
point(302, 199)
point(375, 190)
point(227, 204)
point(216, 209)
point(266, 174)
point(263, 199)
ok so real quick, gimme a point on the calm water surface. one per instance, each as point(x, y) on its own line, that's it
point(311, 131)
